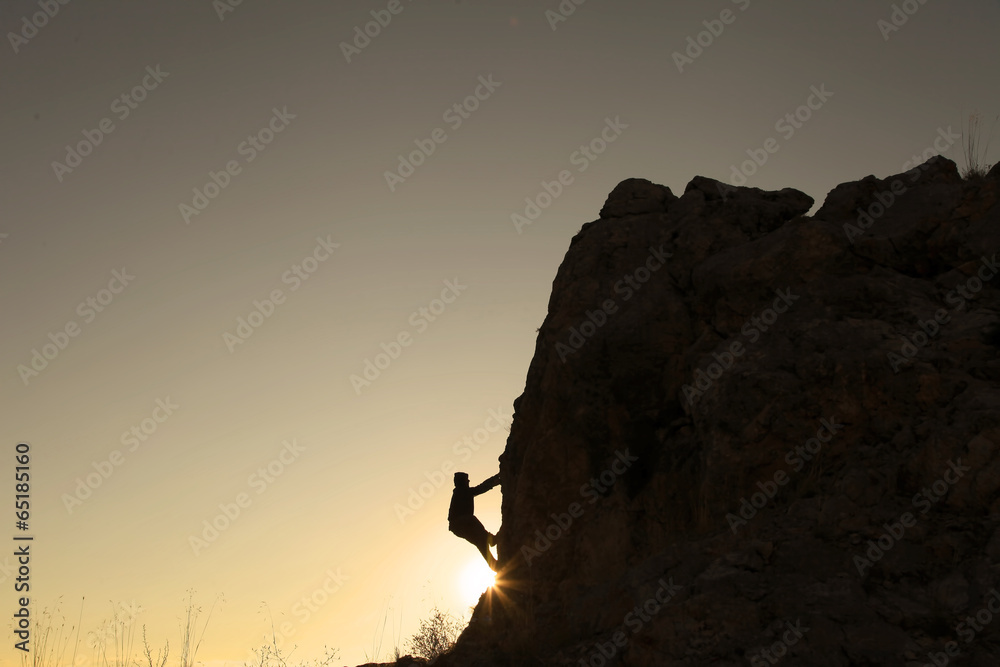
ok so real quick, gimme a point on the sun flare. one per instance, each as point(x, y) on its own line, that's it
point(475, 578)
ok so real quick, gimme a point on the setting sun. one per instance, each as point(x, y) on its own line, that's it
point(476, 577)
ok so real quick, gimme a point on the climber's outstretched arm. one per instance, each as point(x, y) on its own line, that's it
point(487, 485)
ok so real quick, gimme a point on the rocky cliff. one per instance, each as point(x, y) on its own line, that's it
point(752, 436)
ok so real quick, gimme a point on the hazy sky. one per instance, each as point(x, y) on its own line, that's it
point(171, 168)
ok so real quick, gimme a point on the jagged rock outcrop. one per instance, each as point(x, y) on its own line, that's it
point(748, 435)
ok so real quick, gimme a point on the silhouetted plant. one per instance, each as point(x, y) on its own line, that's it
point(380, 634)
point(269, 655)
point(161, 657)
point(50, 644)
point(973, 148)
point(114, 640)
point(190, 641)
point(437, 635)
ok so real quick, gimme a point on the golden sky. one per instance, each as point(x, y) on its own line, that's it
point(265, 271)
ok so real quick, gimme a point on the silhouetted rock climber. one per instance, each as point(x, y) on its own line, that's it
point(461, 515)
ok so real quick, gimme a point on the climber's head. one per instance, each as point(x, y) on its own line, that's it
point(461, 480)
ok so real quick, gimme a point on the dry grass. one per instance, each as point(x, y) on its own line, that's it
point(114, 642)
point(974, 148)
point(51, 640)
point(379, 635)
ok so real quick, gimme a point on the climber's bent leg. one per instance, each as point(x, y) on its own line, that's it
point(471, 529)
